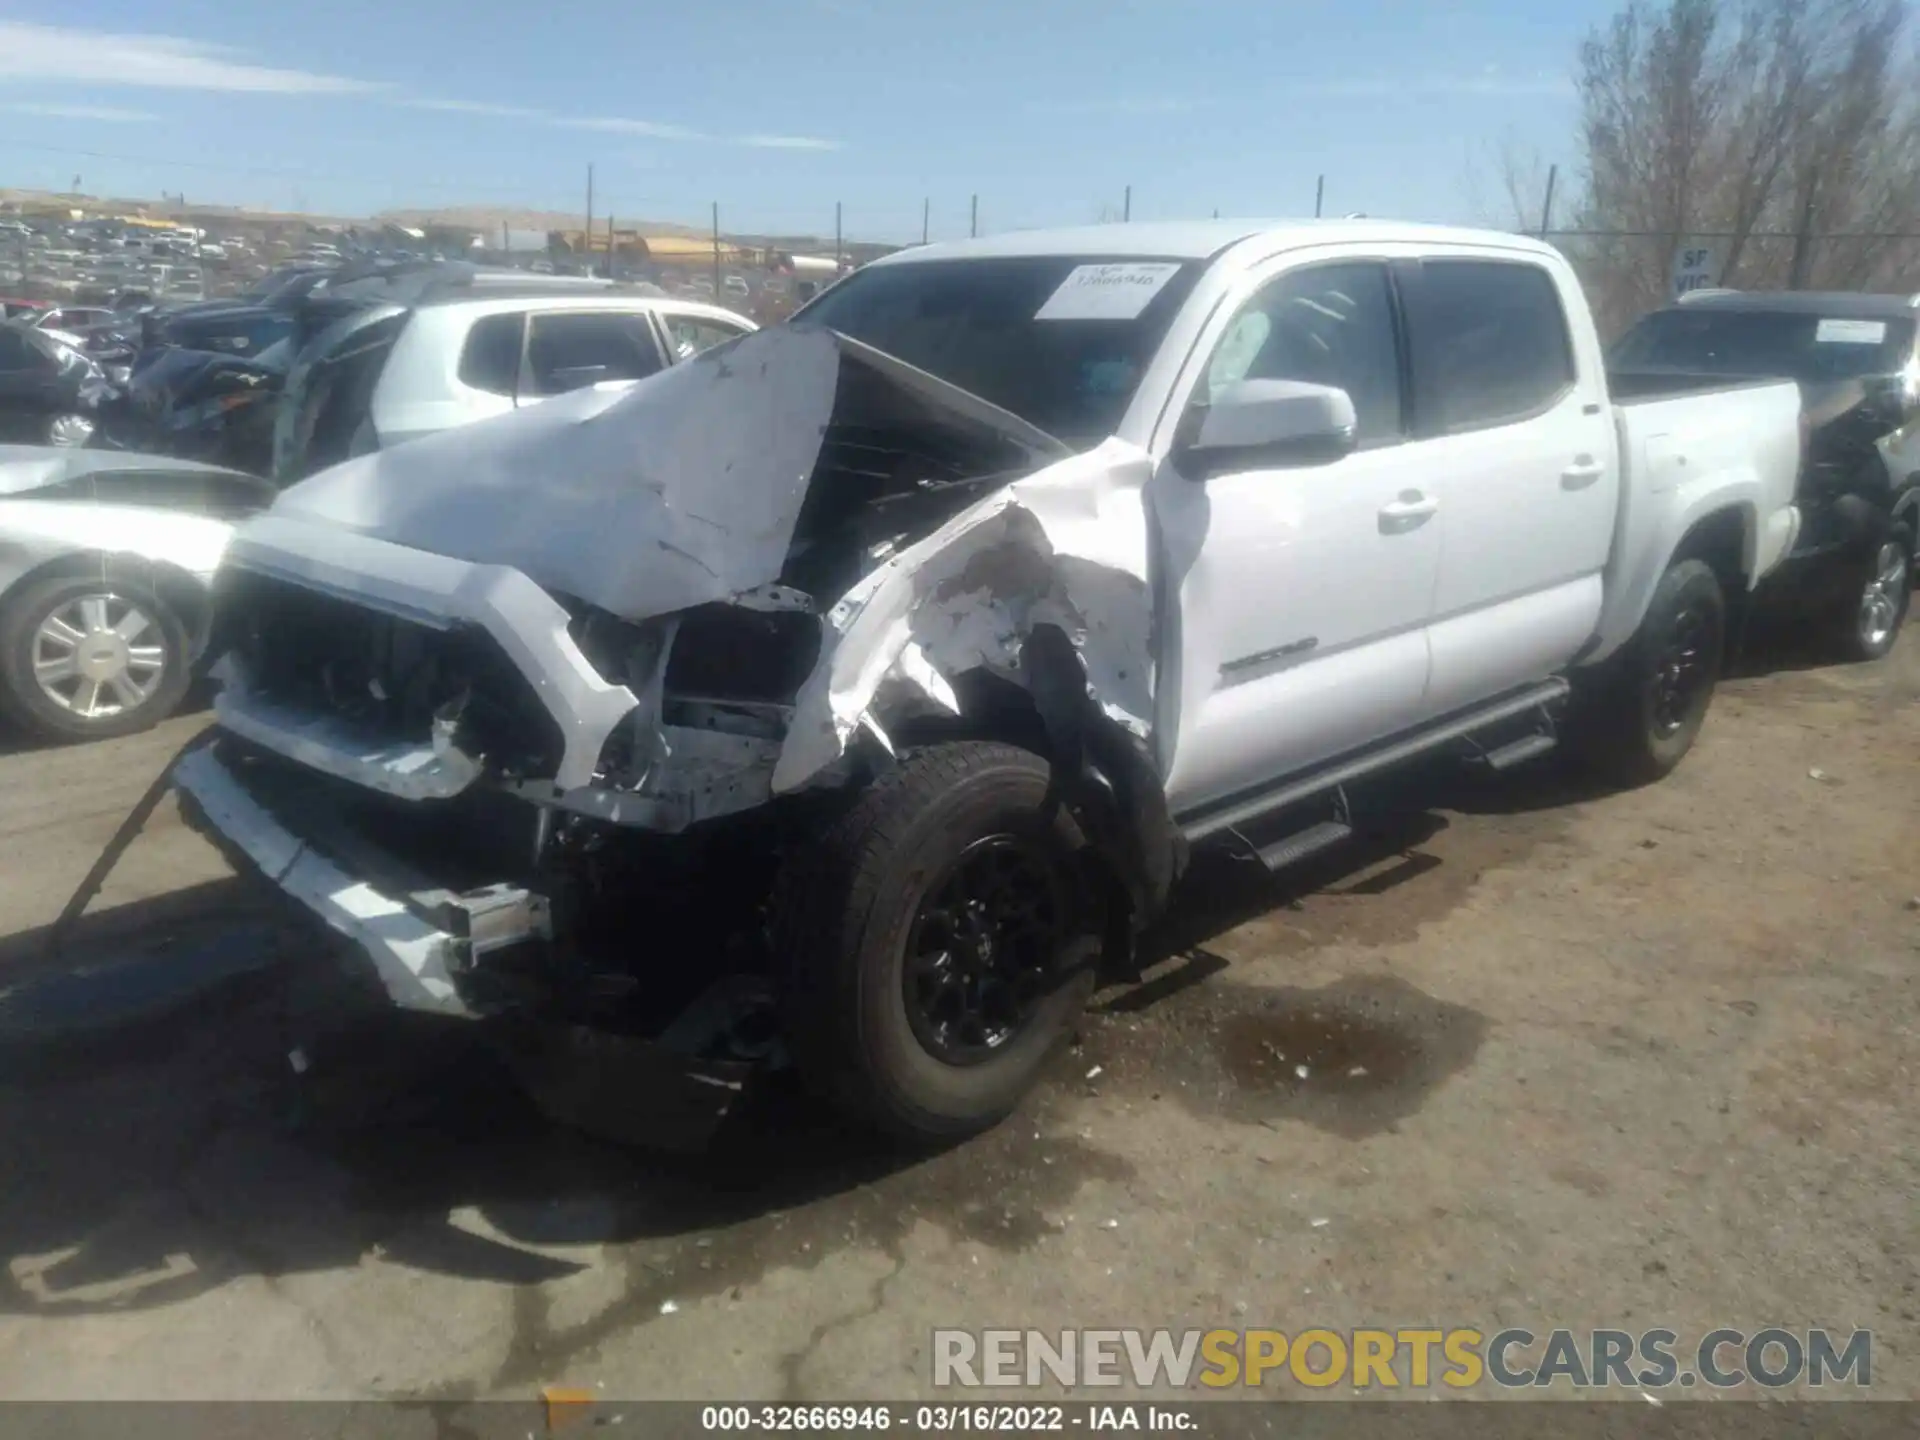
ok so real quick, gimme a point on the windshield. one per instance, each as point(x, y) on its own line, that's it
point(1804, 347)
point(1012, 331)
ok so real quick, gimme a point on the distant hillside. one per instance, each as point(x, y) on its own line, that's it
point(487, 219)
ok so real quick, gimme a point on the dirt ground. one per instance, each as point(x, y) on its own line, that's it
point(1575, 1059)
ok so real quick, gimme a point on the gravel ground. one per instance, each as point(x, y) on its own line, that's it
point(1573, 1059)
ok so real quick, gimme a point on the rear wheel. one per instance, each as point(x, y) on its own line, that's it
point(69, 431)
point(937, 941)
point(1871, 625)
point(1640, 714)
point(82, 660)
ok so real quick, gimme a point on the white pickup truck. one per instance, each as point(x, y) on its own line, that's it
point(865, 682)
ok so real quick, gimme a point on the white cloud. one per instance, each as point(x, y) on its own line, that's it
point(788, 142)
point(476, 107)
point(56, 54)
point(651, 129)
point(82, 112)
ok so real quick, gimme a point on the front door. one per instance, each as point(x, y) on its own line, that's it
point(1296, 598)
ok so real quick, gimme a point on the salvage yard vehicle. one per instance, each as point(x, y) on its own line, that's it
point(857, 691)
point(199, 405)
point(1857, 361)
point(396, 371)
point(49, 390)
point(105, 562)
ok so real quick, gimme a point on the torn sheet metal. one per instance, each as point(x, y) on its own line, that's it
point(1067, 546)
point(415, 961)
point(673, 492)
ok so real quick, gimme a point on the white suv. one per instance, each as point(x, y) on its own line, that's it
point(389, 373)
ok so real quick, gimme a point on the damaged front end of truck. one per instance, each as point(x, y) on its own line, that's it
point(534, 711)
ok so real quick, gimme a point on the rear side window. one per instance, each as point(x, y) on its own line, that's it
point(693, 333)
point(1490, 344)
point(491, 359)
point(570, 351)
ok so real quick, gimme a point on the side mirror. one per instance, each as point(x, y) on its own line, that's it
point(1258, 423)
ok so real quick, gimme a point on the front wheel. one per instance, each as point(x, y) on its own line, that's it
point(937, 941)
point(1871, 625)
point(1640, 713)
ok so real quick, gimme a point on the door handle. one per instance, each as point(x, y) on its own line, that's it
point(1410, 510)
point(1582, 473)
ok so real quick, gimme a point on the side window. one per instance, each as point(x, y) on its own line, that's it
point(1328, 325)
point(693, 333)
point(569, 351)
point(1490, 343)
point(490, 360)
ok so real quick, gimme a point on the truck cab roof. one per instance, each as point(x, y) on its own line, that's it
point(1203, 239)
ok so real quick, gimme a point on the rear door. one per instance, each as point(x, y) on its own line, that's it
point(1518, 450)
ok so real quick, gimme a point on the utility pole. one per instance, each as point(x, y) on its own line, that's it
point(926, 215)
point(1546, 208)
point(1319, 195)
point(610, 245)
point(1126, 206)
point(587, 233)
point(973, 224)
point(716, 251)
point(839, 255)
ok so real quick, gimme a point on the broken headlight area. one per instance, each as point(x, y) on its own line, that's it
point(447, 688)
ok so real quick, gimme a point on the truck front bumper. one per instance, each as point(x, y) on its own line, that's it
point(420, 938)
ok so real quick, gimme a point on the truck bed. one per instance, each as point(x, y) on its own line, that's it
point(1640, 387)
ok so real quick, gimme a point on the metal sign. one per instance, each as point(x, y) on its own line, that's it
point(1694, 268)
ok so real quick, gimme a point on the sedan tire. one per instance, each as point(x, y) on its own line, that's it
point(82, 659)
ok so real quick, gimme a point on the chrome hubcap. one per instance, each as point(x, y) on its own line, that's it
point(98, 656)
point(69, 430)
point(1880, 602)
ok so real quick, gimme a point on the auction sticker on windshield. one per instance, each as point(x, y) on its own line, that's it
point(1850, 332)
point(1106, 292)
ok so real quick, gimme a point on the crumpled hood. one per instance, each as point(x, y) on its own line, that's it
point(643, 498)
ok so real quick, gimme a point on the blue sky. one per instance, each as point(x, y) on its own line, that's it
point(1047, 109)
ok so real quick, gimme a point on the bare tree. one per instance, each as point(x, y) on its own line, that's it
point(1761, 126)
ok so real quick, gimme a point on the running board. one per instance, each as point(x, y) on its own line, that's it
point(1237, 813)
point(1299, 845)
point(1518, 752)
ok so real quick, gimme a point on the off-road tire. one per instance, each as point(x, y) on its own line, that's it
point(842, 915)
point(24, 705)
point(1850, 637)
point(1613, 727)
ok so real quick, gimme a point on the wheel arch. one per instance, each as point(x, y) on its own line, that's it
point(183, 592)
point(1103, 773)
